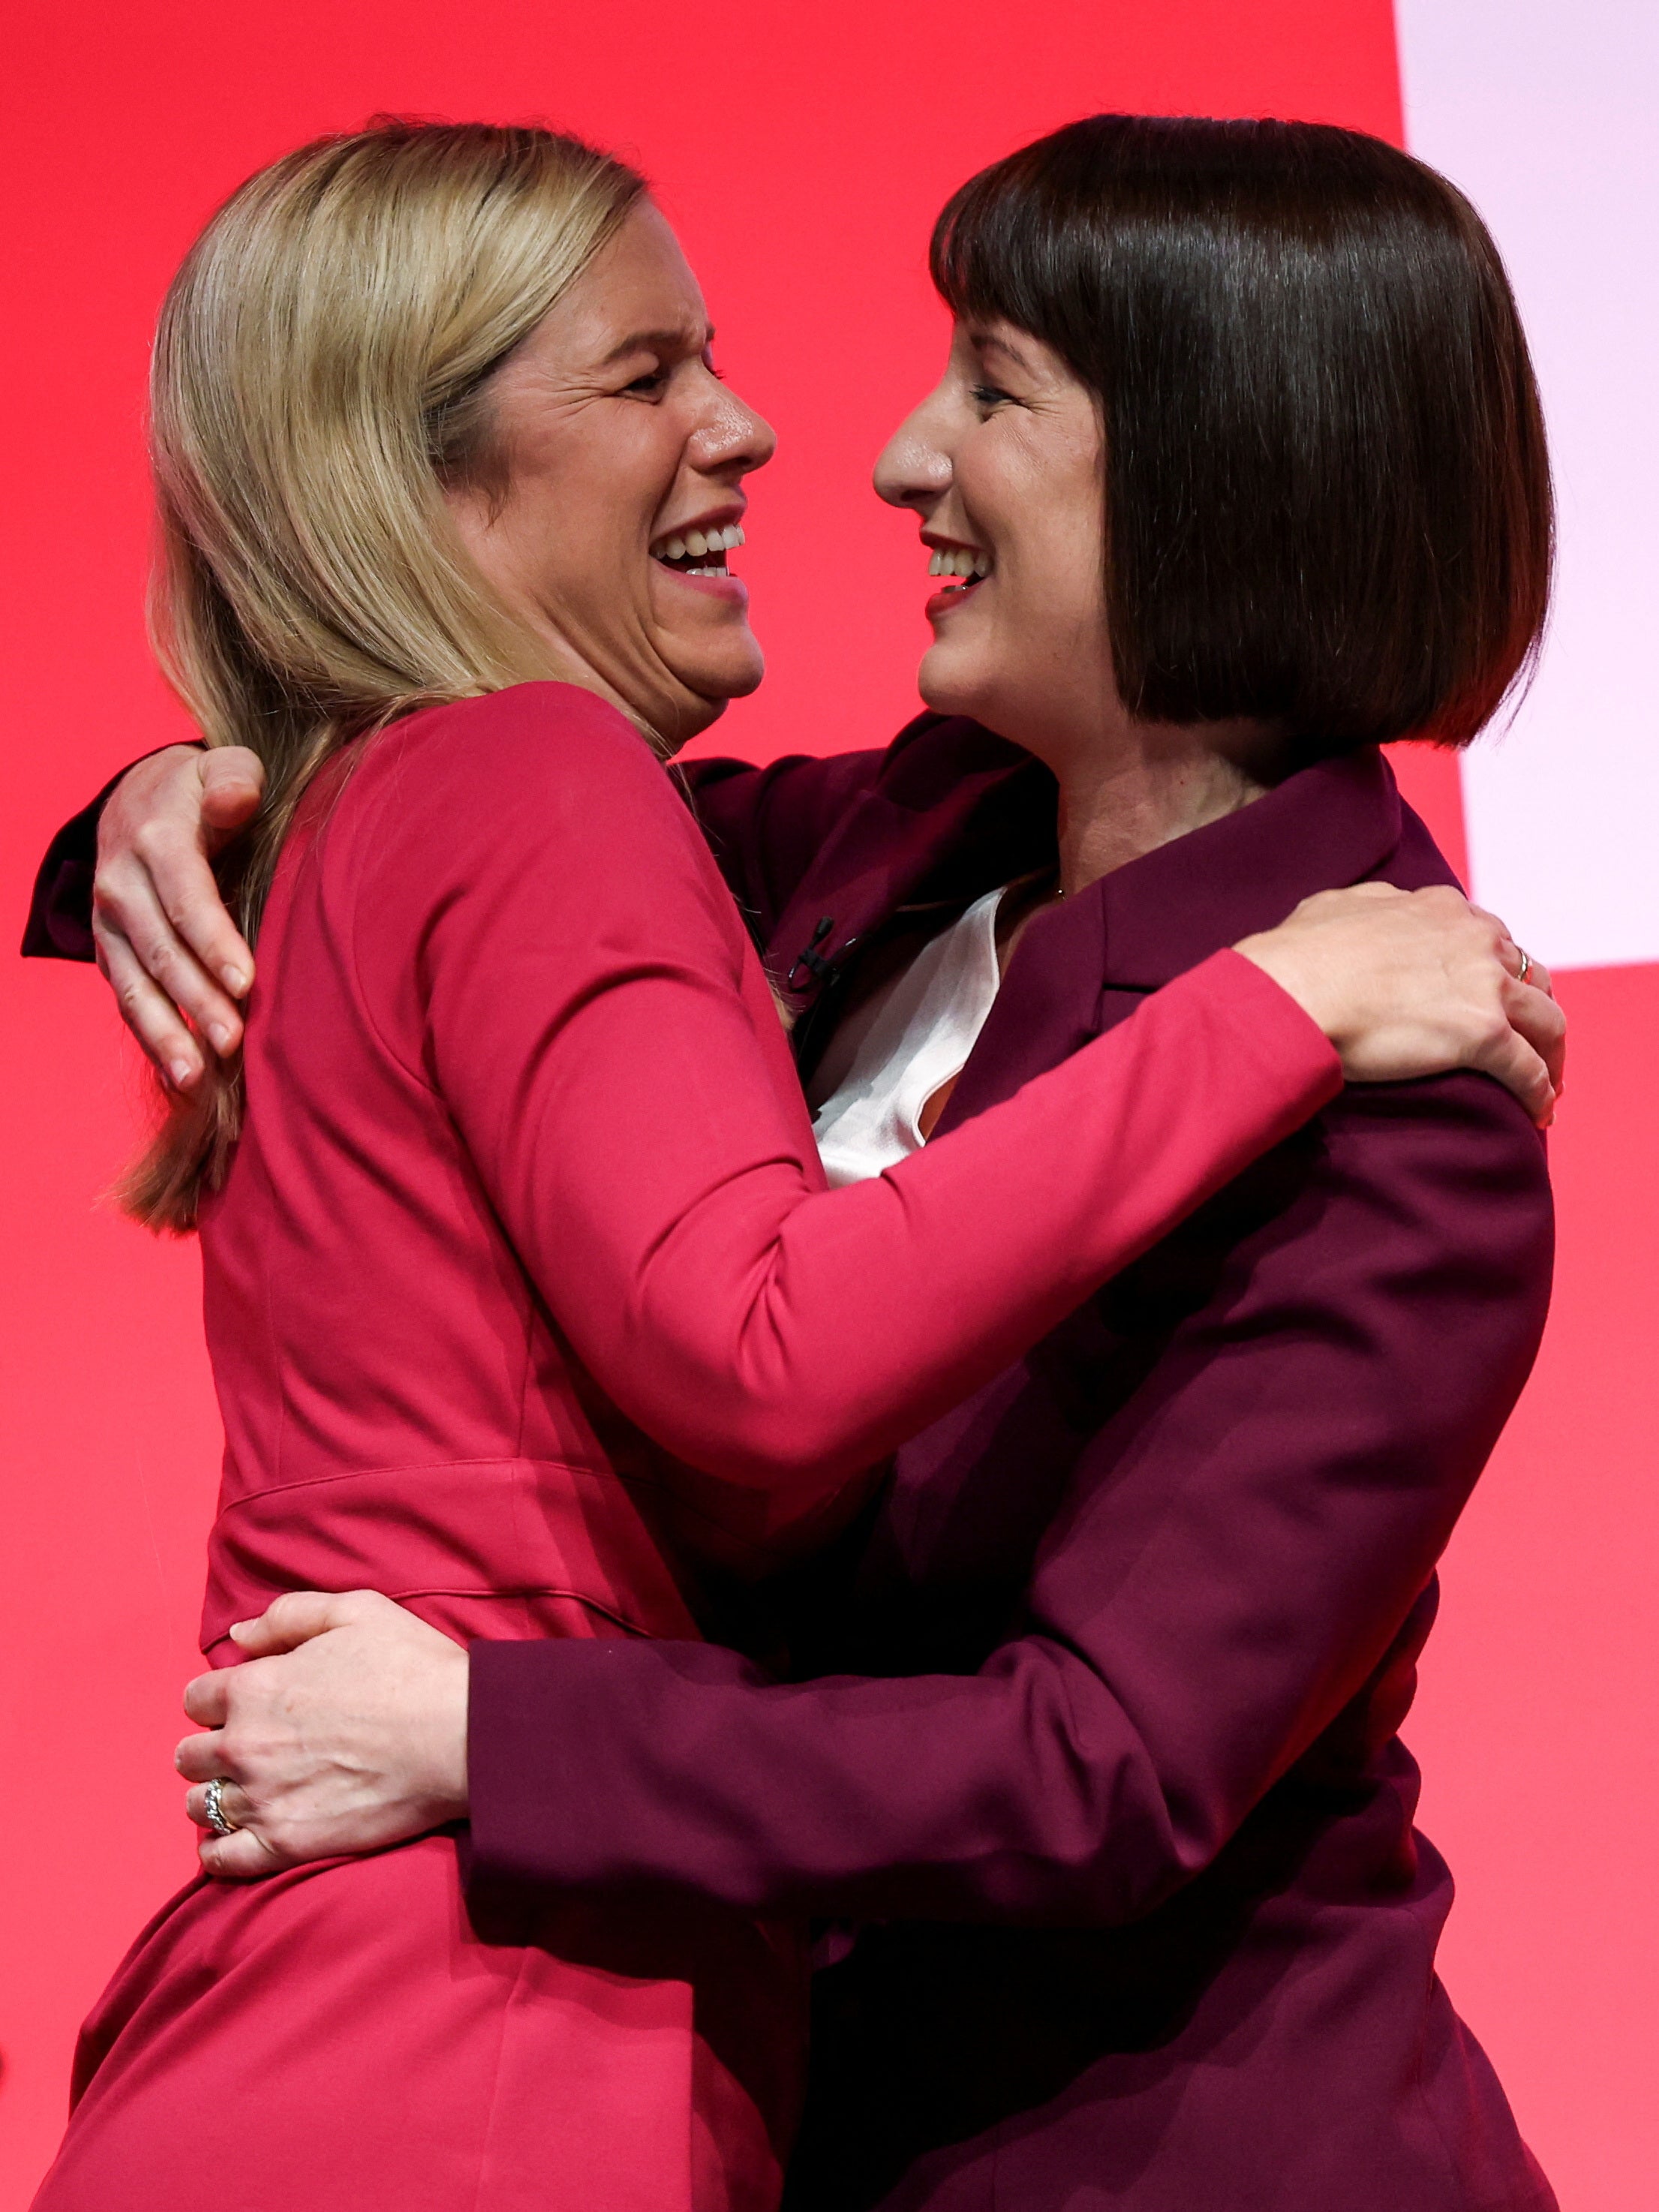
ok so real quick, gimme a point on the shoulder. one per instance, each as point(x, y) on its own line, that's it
point(539, 793)
point(481, 783)
point(555, 741)
point(1442, 1181)
point(1417, 862)
point(1468, 1122)
point(1467, 1126)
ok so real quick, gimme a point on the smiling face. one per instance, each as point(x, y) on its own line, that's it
point(614, 494)
point(1003, 463)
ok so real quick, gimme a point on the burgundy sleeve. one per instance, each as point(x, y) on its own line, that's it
point(59, 925)
point(766, 826)
point(1237, 1552)
point(543, 937)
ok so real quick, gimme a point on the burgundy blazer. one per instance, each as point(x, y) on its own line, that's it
point(1095, 1735)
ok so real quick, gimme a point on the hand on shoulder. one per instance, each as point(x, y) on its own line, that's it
point(1407, 984)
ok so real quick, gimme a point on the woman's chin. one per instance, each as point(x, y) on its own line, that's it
point(739, 683)
point(732, 673)
point(698, 691)
point(946, 685)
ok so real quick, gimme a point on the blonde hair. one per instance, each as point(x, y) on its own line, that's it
point(319, 375)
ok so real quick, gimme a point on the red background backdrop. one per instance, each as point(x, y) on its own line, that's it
point(803, 157)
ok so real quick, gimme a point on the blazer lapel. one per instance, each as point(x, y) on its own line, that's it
point(957, 811)
point(1084, 965)
point(953, 806)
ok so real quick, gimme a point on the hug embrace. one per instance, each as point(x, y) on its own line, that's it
point(842, 1381)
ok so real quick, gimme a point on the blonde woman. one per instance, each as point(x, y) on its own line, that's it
point(523, 1287)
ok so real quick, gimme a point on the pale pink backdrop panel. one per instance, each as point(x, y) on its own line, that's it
point(1539, 1721)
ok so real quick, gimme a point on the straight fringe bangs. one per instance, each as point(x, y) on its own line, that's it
point(1328, 491)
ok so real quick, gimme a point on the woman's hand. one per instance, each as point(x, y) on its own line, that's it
point(165, 942)
point(343, 1730)
point(1412, 983)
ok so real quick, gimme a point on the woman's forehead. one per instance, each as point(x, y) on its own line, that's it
point(637, 294)
point(995, 345)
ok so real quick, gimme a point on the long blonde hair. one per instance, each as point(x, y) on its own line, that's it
point(318, 378)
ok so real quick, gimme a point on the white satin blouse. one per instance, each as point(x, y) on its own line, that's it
point(892, 1053)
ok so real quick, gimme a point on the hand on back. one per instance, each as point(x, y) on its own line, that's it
point(344, 1730)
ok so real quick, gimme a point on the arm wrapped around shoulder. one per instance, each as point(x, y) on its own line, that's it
point(542, 930)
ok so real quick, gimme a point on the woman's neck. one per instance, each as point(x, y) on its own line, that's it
point(1149, 783)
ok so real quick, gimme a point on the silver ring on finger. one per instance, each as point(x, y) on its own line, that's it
point(213, 1804)
point(1524, 969)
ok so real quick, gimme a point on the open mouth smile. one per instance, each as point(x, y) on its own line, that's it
point(698, 552)
point(965, 565)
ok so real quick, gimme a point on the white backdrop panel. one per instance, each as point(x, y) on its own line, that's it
point(1545, 112)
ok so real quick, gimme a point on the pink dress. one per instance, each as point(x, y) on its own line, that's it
point(524, 1289)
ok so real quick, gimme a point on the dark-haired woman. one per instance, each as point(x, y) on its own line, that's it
point(1105, 1755)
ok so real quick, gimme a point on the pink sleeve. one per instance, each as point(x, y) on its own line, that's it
point(542, 933)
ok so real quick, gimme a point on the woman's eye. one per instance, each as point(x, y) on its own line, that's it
point(647, 388)
point(991, 395)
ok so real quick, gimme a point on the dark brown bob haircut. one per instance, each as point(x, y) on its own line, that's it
point(1327, 493)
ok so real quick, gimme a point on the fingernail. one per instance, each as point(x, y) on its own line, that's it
point(235, 979)
point(219, 1036)
point(182, 1074)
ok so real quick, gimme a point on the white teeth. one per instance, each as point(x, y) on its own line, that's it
point(697, 542)
point(953, 563)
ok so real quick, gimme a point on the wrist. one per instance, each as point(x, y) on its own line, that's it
point(1302, 976)
point(447, 1749)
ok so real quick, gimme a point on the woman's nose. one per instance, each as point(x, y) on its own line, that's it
point(913, 468)
point(731, 437)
